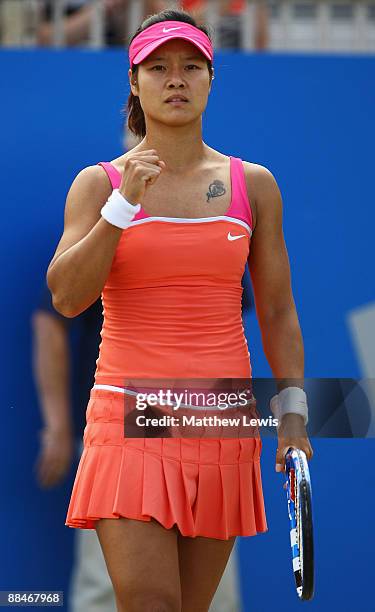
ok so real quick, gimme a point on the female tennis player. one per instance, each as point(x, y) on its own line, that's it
point(163, 234)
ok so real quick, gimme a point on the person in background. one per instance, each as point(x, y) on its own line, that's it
point(21, 23)
point(78, 16)
point(64, 359)
point(230, 31)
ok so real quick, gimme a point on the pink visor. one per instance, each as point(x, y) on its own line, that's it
point(156, 35)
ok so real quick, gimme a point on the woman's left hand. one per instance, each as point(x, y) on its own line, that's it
point(291, 432)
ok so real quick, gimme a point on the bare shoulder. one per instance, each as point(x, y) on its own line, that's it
point(87, 194)
point(263, 190)
point(91, 179)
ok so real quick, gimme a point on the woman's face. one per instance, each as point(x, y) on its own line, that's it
point(176, 68)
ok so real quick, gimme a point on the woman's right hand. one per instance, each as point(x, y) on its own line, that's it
point(141, 169)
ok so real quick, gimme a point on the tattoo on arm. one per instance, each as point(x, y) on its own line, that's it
point(215, 189)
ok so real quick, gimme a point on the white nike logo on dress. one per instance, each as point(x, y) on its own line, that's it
point(170, 29)
point(230, 237)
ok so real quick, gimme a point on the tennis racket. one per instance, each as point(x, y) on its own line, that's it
point(299, 496)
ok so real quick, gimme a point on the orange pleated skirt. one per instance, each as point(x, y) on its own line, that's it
point(206, 487)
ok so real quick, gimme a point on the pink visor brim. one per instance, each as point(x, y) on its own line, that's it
point(156, 35)
point(148, 49)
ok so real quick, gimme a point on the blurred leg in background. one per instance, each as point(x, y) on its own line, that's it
point(64, 360)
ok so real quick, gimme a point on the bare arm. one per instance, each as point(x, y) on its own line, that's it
point(51, 374)
point(83, 258)
point(81, 264)
point(270, 273)
point(274, 303)
point(51, 370)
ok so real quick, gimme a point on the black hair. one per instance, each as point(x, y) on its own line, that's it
point(133, 109)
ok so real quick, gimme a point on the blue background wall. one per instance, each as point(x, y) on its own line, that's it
point(310, 120)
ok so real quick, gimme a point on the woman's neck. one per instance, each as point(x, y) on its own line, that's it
point(180, 148)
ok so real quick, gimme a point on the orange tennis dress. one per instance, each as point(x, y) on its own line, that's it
point(172, 309)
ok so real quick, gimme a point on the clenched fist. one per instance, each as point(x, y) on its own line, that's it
point(141, 169)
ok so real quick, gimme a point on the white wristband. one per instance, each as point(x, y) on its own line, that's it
point(118, 211)
point(291, 399)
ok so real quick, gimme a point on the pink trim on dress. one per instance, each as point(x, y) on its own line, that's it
point(113, 174)
point(239, 207)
